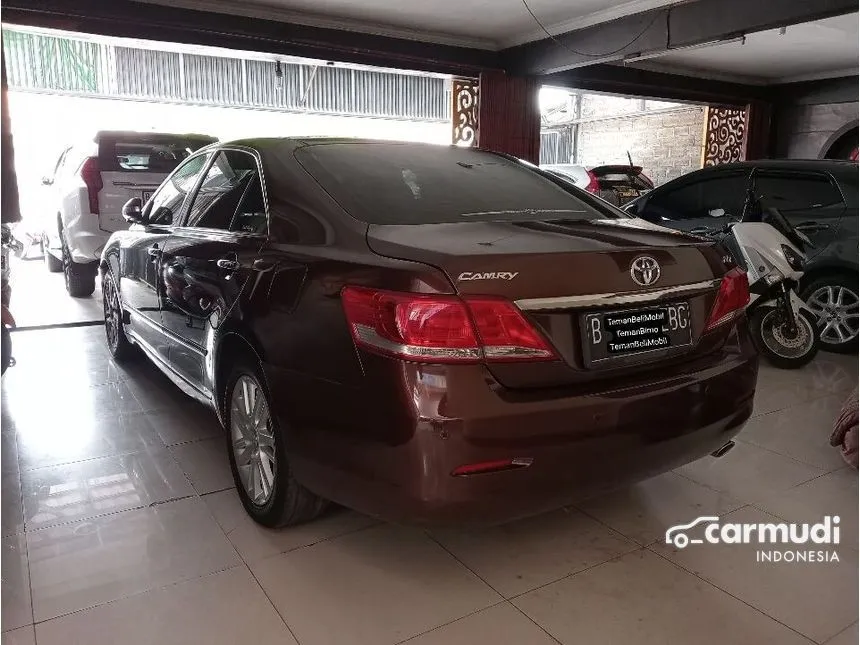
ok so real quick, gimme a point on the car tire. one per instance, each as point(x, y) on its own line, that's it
point(54, 264)
point(817, 294)
point(80, 278)
point(255, 439)
point(118, 343)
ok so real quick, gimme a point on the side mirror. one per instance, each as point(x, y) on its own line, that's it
point(47, 181)
point(132, 211)
point(717, 212)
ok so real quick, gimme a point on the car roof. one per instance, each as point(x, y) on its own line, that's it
point(837, 167)
point(788, 164)
point(113, 134)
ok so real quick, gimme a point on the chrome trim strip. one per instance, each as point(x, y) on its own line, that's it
point(611, 299)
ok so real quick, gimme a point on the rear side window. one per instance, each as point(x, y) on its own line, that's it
point(392, 183)
point(230, 198)
point(146, 154)
point(698, 198)
point(797, 191)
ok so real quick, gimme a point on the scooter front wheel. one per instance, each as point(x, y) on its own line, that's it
point(778, 343)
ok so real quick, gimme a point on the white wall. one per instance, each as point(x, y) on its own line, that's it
point(43, 125)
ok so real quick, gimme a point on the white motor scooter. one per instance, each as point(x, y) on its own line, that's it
point(771, 250)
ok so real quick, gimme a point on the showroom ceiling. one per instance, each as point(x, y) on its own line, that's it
point(808, 51)
point(488, 24)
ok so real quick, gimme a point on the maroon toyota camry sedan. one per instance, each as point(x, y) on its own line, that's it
point(426, 333)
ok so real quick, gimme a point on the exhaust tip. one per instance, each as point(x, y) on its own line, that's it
point(719, 452)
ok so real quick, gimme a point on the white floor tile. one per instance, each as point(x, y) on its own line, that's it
point(11, 503)
point(205, 463)
point(21, 636)
point(643, 512)
point(519, 556)
point(749, 473)
point(85, 489)
point(502, 623)
point(225, 608)
point(255, 542)
point(87, 563)
point(817, 599)
point(643, 599)
point(801, 431)
point(831, 494)
point(373, 587)
point(84, 435)
point(15, 602)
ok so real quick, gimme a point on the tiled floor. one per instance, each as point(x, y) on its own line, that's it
point(40, 298)
point(120, 525)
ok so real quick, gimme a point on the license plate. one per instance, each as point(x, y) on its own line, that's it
point(610, 335)
point(145, 195)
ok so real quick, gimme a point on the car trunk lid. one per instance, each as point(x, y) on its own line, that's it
point(557, 272)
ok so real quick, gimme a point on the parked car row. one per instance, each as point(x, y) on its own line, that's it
point(819, 198)
point(88, 187)
point(436, 334)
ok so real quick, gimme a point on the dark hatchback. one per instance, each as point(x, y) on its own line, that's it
point(426, 333)
point(818, 197)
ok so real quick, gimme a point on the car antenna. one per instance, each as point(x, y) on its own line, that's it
point(629, 159)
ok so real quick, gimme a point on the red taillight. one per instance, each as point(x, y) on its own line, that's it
point(593, 184)
point(432, 328)
point(733, 297)
point(92, 177)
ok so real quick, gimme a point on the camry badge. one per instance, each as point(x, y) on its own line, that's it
point(645, 270)
point(493, 275)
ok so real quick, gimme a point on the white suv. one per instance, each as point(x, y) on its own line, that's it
point(90, 185)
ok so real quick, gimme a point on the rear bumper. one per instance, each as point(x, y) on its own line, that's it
point(580, 446)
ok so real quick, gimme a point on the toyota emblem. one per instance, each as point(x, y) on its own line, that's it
point(645, 270)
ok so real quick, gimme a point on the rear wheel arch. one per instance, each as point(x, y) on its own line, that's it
point(817, 273)
point(233, 345)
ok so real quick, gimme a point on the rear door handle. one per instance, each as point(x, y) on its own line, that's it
point(154, 252)
point(701, 230)
point(228, 264)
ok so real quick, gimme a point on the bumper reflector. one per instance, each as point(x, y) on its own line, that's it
point(492, 466)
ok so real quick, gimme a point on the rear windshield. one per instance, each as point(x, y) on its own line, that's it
point(142, 154)
point(393, 183)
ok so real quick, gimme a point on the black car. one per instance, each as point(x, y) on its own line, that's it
point(819, 197)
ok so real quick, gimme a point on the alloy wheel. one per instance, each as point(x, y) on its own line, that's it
point(837, 310)
point(110, 302)
point(252, 439)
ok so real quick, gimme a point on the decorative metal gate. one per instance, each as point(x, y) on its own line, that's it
point(725, 135)
point(464, 110)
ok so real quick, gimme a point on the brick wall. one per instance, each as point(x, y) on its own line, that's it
point(667, 142)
